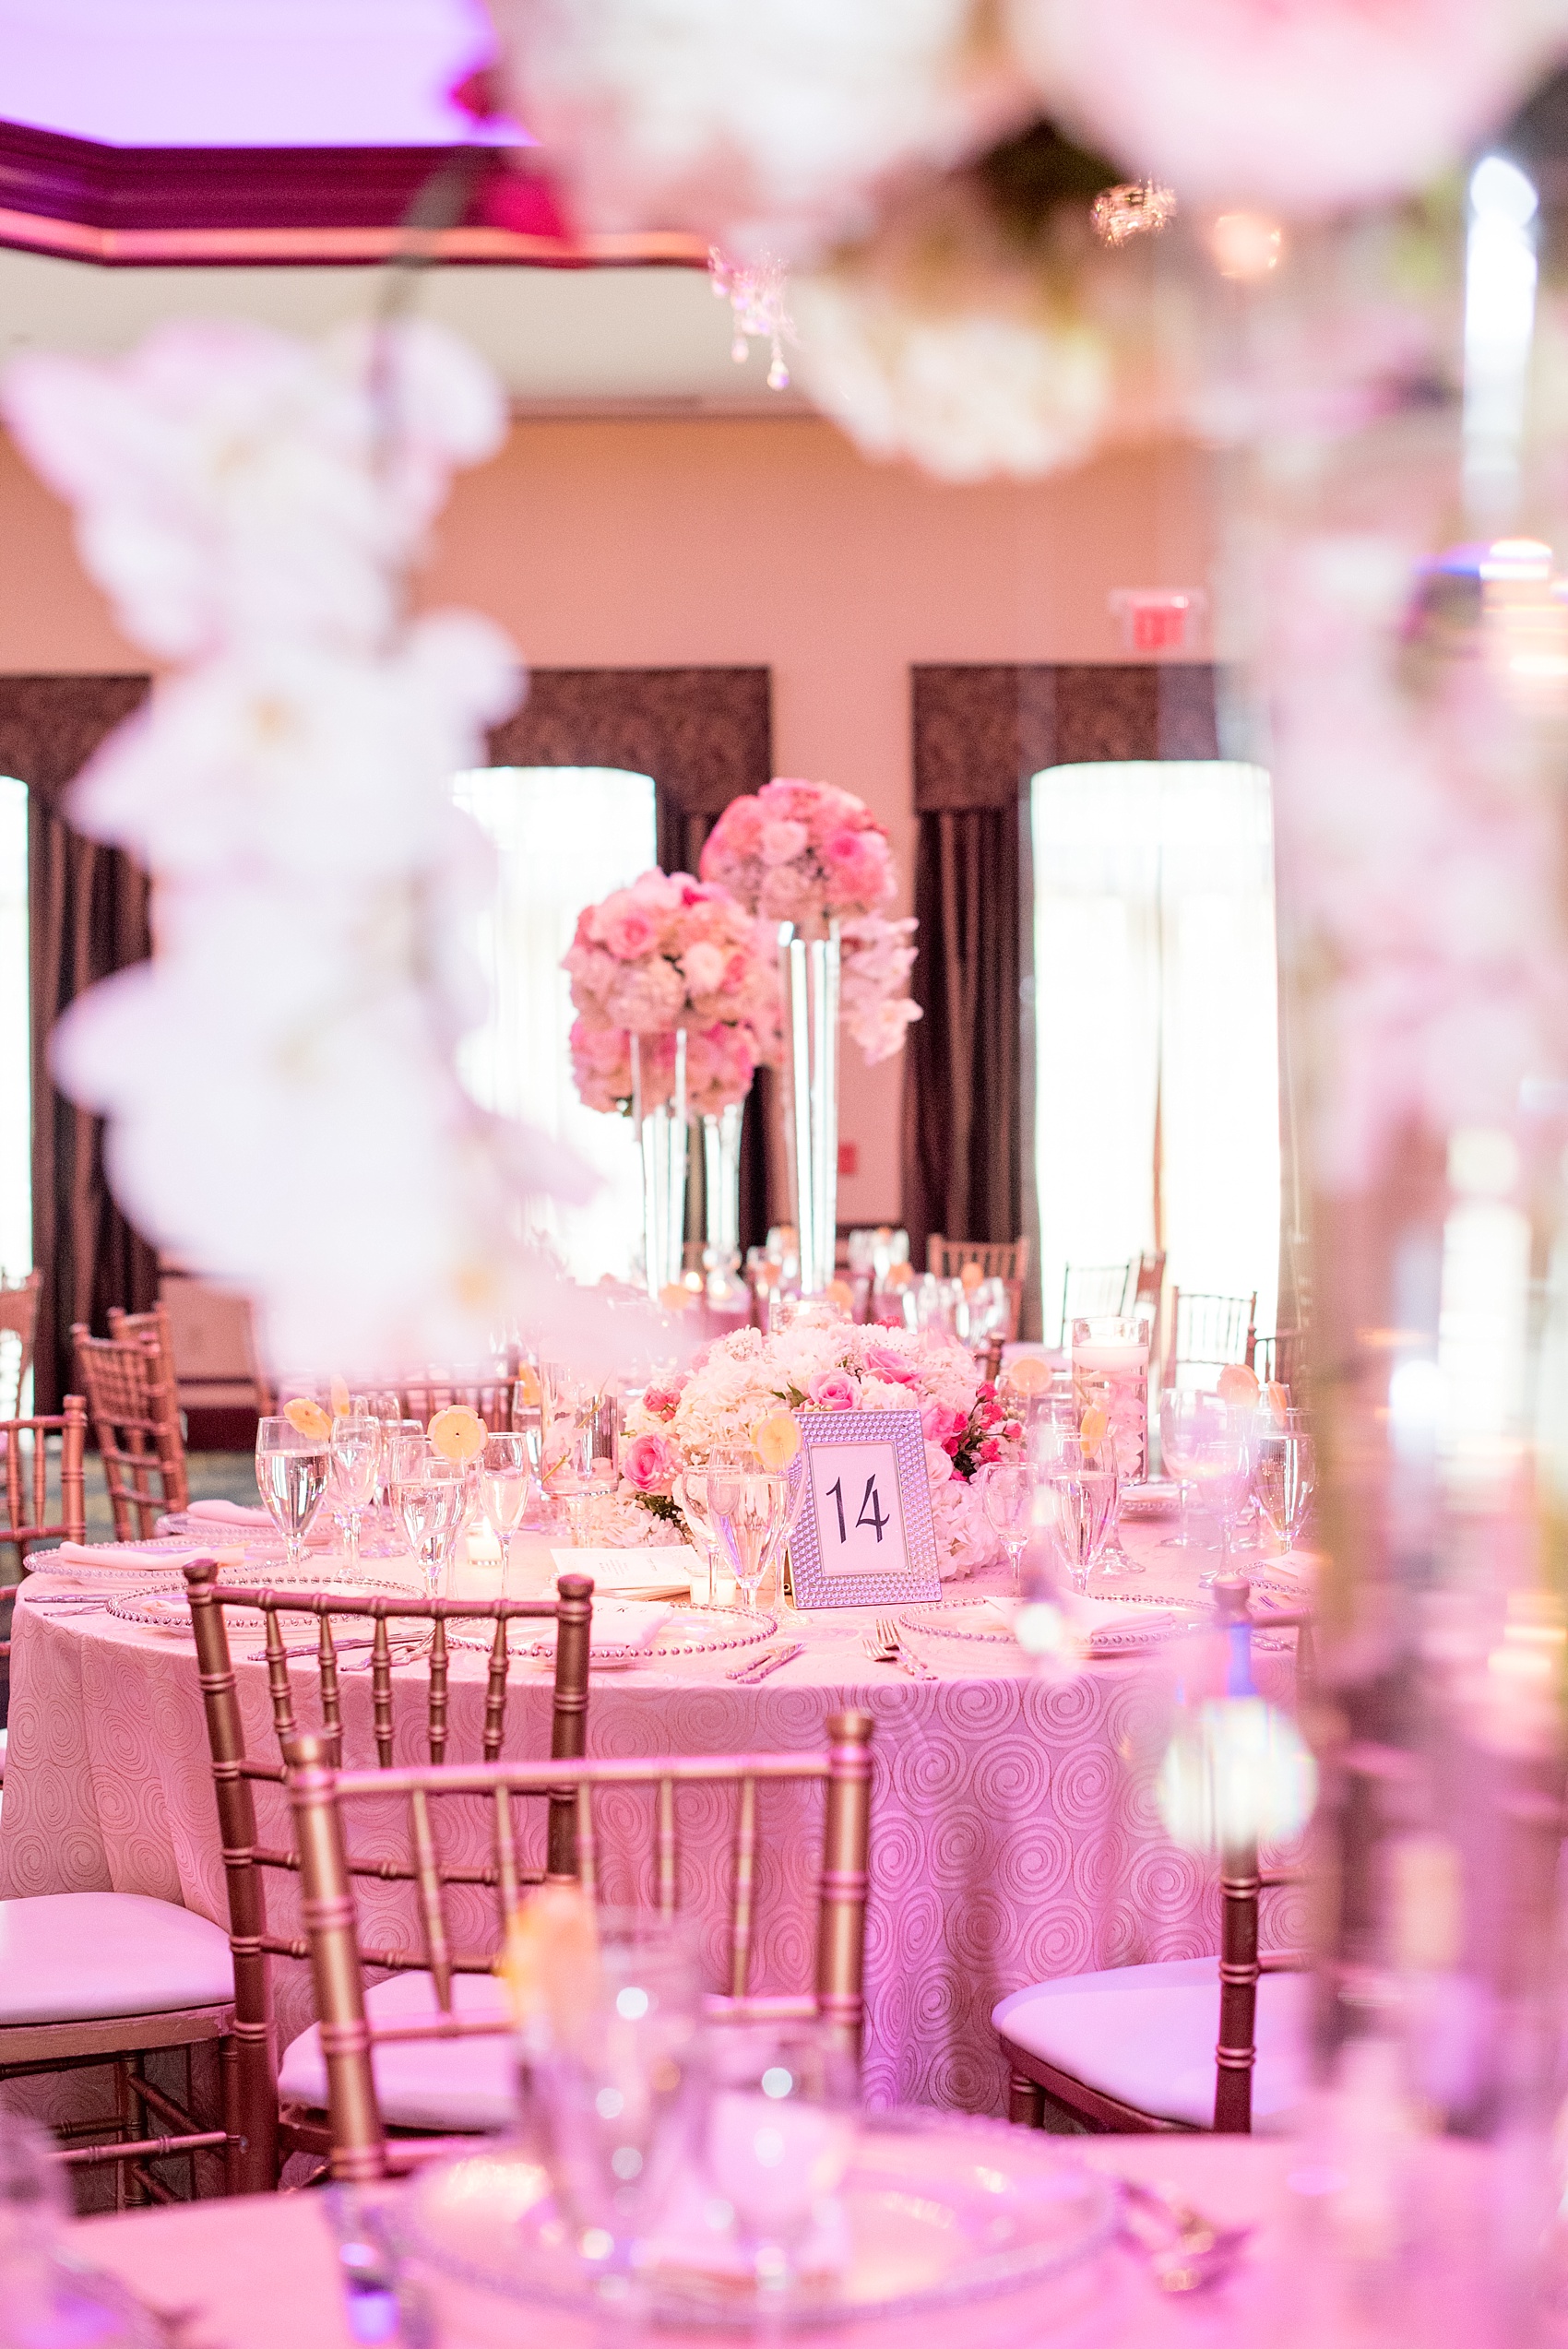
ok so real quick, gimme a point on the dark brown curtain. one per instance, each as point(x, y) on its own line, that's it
point(980, 732)
point(706, 736)
point(88, 916)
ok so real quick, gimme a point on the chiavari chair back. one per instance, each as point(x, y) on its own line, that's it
point(1089, 1291)
point(1121, 2050)
point(18, 1331)
point(1282, 1360)
point(1004, 1260)
point(394, 1616)
point(41, 1508)
point(490, 1396)
point(1208, 1331)
point(136, 1424)
point(350, 2028)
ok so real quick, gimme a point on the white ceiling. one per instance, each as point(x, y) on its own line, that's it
point(633, 338)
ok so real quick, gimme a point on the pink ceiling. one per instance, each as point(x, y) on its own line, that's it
point(242, 73)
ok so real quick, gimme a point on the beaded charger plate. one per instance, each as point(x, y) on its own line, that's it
point(1105, 1639)
point(121, 1561)
point(166, 1610)
point(938, 2212)
point(696, 1630)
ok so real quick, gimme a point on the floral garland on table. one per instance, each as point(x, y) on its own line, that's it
point(668, 953)
point(742, 1379)
point(810, 854)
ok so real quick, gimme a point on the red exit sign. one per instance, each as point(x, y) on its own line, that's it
point(849, 1157)
point(1156, 620)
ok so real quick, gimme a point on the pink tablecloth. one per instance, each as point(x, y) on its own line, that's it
point(1013, 1835)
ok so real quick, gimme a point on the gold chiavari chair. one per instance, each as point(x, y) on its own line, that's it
point(1004, 1260)
point(135, 1423)
point(1208, 1332)
point(1085, 2043)
point(273, 2121)
point(1090, 1290)
point(18, 1323)
point(29, 1523)
point(1282, 1360)
point(490, 1396)
point(351, 2030)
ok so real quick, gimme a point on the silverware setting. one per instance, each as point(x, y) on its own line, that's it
point(886, 1645)
point(768, 1661)
point(1185, 2250)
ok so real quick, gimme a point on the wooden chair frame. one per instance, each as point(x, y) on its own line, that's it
point(18, 1319)
point(320, 1795)
point(28, 1522)
point(136, 1422)
point(266, 2132)
point(1031, 2080)
point(1282, 1358)
point(1237, 1313)
point(1004, 1260)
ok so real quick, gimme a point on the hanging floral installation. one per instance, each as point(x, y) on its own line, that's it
point(280, 1080)
point(669, 952)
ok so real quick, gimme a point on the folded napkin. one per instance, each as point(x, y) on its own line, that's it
point(234, 1513)
point(1107, 1624)
point(134, 1562)
point(621, 1623)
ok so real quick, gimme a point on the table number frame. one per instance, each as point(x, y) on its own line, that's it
point(913, 1574)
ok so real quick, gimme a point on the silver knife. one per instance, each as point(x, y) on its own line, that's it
point(759, 1669)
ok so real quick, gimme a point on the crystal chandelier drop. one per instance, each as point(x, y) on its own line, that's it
point(1138, 207)
point(756, 295)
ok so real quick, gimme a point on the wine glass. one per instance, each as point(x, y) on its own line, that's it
point(1081, 1483)
point(504, 1472)
point(1182, 1411)
point(434, 1500)
point(781, 2125)
point(356, 1465)
point(690, 1495)
point(754, 1510)
point(1009, 1494)
point(291, 1475)
point(1285, 1471)
point(1221, 1468)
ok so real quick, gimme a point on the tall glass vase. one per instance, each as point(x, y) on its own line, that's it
point(809, 973)
point(660, 1132)
point(721, 1201)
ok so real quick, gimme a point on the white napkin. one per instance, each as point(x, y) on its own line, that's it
point(234, 1513)
point(654, 1571)
point(134, 1562)
point(1110, 1623)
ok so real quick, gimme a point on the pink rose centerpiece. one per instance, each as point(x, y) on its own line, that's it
point(810, 854)
point(742, 1379)
point(665, 954)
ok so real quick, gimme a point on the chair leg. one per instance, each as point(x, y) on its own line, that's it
point(1026, 2101)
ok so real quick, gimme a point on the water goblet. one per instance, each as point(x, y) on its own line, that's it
point(434, 1501)
point(356, 1466)
point(781, 2129)
point(1182, 1411)
point(291, 1475)
point(754, 1510)
point(690, 1496)
point(1284, 1473)
point(504, 1473)
point(1082, 1485)
point(1008, 1492)
point(1220, 1469)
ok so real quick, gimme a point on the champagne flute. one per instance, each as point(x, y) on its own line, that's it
point(1009, 1493)
point(753, 1509)
point(504, 1473)
point(690, 1495)
point(1081, 1483)
point(434, 1500)
point(1284, 1474)
point(291, 1475)
point(356, 1465)
point(1221, 1470)
point(1183, 1412)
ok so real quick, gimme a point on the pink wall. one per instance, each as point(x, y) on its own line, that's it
point(636, 542)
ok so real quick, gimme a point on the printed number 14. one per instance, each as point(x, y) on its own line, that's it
point(871, 1501)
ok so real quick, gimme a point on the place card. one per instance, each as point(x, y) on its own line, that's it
point(864, 1535)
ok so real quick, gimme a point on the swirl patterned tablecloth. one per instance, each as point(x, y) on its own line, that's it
point(1013, 1833)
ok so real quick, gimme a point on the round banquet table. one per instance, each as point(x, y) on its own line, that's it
point(1014, 1834)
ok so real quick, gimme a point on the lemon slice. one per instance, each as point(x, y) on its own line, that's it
point(1093, 1426)
point(1029, 1376)
point(307, 1418)
point(971, 1274)
point(839, 1292)
point(550, 1964)
point(530, 1394)
point(340, 1398)
point(676, 1296)
point(1237, 1387)
point(776, 1439)
point(458, 1433)
point(1277, 1398)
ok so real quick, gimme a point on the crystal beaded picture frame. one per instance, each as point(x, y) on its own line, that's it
point(877, 1459)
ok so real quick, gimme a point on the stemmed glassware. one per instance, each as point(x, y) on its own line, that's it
point(690, 1494)
point(1218, 1451)
point(291, 1475)
point(1081, 1483)
point(779, 2136)
point(432, 1496)
point(1284, 1473)
point(754, 1510)
point(1009, 1495)
point(504, 1472)
point(1182, 1413)
point(356, 1466)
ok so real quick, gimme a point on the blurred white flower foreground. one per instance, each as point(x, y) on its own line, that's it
point(281, 1081)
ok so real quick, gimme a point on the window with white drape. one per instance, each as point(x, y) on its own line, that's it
point(564, 836)
point(16, 1047)
point(1156, 1087)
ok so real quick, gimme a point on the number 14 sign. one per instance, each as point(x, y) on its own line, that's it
point(864, 1532)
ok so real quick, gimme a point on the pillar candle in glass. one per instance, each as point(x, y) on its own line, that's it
point(1111, 1371)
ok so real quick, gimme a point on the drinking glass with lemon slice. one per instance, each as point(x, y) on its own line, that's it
point(292, 1455)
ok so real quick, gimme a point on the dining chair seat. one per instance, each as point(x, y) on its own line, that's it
point(450, 2086)
point(1145, 2034)
point(75, 1957)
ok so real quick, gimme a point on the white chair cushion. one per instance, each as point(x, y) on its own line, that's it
point(1145, 2035)
point(76, 1957)
point(438, 2085)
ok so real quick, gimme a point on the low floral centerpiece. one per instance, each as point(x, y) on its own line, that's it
point(742, 1379)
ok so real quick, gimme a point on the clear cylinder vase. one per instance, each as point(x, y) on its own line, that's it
point(809, 971)
point(721, 1200)
point(659, 1130)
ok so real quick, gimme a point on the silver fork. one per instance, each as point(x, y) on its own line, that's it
point(885, 1645)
